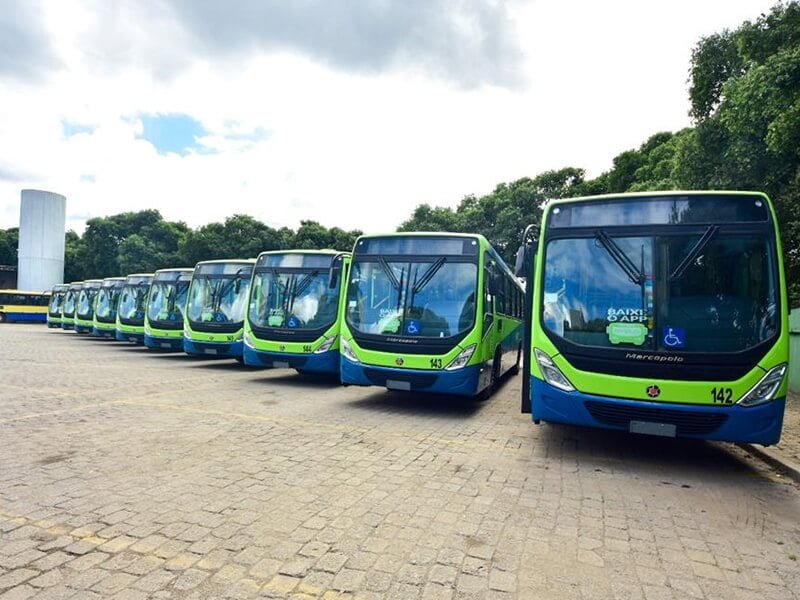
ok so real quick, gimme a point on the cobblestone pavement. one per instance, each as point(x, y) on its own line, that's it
point(129, 475)
point(790, 439)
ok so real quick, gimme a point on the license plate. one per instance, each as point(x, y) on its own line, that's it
point(166, 345)
point(648, 428)
point(404, 386)
point(210, 350)
point(133, 339)
point(277, 364)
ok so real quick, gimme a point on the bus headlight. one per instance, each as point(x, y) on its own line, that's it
point(248, 340)
point(462, 358)
point(326, 345)
point(765, 390)
point(348, 351)
point(552, 374)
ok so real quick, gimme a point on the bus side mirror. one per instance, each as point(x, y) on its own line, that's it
point(519, 263)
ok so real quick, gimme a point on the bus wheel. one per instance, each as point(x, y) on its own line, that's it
point(239, 359)
point(489, 389)
point(515, 369)
point(3, 317)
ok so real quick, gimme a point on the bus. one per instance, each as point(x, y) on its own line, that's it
point(661, 313)
point(105, 308)
point(293, 320)
point(70, 302)
point(84, 308)
point(56, 302)
point(130, 308)
point(430, 312)
point(163, 319)
point(18, 305)
point(213, 322)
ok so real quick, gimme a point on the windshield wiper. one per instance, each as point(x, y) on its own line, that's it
point(389, 273)
point(619, 256)
point(427, 276)
point(300, 287)
point(692, 254)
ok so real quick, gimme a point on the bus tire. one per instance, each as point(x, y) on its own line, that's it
point(495, 380)
point(515, 369)
point(239, 359)
point(3, 317)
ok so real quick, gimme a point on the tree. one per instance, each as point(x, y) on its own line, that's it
point(9, 242)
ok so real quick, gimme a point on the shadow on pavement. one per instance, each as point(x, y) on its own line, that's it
point(671, 461)
point(291, 378)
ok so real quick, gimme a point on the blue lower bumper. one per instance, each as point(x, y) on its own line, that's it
point(66, 325)
point(83, 329)
point(324, 362)
point(104, 333)
point(163, 343)
point(127, 336)
point(464, 382)
point(231, 350)
point(757, 425)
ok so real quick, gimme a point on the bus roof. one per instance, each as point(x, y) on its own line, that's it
point(114, 279)
point(227, 260)
point(423, 234)
point(139, 275)
point(321, 251)
point(656, 194)
point(93, 281)
point(176, 270)
point(10, 291)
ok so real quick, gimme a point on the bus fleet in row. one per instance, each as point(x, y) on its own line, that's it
point(662, 313)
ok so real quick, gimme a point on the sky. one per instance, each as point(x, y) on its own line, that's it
point(347, 112)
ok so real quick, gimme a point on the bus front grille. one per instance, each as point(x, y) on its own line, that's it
point(686, 422)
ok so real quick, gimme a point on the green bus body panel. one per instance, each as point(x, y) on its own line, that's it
point(486, 344)
point(672, 391)
point(289, 347)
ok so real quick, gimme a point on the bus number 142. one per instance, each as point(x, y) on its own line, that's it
point(722, 395)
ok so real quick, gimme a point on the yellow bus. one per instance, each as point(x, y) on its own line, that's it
point(18, 305)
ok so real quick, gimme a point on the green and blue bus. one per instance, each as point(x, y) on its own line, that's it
point(105, 308)
point(213, 322)
point(163, 319)
point(660, 313)
point(84, 308)
point(430, 312)
point(69, 305)
point(56, 302)
point(21, 306)
point(294, 317)
point(131, 307)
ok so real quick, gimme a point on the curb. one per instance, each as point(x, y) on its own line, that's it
point(774, 459)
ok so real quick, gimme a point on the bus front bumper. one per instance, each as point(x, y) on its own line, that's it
point(324, 362)
point(129, 336)
point(104, 333)
point(163, 343)
point(755, 425)
point(464, 382)
point(83, 328)
point(227, 349)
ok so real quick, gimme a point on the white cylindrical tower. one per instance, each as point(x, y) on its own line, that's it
point(42, 220)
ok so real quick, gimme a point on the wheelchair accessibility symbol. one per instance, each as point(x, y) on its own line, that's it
point(412, 328)
point(673, 337)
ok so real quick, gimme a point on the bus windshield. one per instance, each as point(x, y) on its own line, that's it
point(294, 299)
point(424, 297)
point(168, 298)
point(69, 302)
point(132, 302)
point(218, 298)
point(56, 302)
point(85, 304)
point(705, 292)
point(106, 309)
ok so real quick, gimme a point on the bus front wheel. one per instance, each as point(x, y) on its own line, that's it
point(514, 370)
point(3, 317)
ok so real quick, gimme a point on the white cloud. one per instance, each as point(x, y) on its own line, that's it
point(353, 147)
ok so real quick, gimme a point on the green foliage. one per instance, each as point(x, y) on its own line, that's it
point(9, 241)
